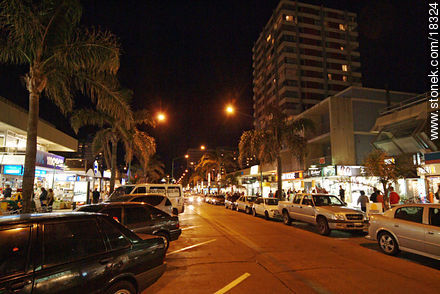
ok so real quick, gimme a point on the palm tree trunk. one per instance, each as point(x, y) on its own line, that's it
point(31, 152)
point(279, 174)
point(113, 165)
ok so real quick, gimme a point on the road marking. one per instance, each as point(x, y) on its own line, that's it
point(233, 283)
point(188, 228)
point(192, 246)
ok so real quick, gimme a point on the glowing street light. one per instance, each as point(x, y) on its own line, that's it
point(202, 147)
point(186, 156)
point(161, 117)
point(230, 109)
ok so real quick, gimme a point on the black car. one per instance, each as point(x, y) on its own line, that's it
point(140, 218)
point(231, 200)
point(75, 253)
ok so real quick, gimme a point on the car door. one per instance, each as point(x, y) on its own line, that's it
point(16, 266)
point(138, 219)
point(73, 256)
point(432, 237)
point(259, 206)
point(294, 209)
point(240, 203)
point(308, 210)
point(408, 226)
point(300, 209)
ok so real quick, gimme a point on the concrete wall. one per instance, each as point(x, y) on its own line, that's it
point(341, 131)
point(17, 117)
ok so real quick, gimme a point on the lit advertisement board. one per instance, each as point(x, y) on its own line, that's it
point(16, 170)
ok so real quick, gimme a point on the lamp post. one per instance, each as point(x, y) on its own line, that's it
point(172, 164)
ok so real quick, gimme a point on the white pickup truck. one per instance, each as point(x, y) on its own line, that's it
point(325, 211)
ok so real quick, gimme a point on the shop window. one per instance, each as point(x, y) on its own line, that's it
point(69, 241)
point(14, 244)
point(344, 67)
point(342, 27)
point(289, 18)
point(344, 78)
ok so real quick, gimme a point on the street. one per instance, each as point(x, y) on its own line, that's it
point(221, 250)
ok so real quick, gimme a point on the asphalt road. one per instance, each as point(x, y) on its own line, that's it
point(231, 252)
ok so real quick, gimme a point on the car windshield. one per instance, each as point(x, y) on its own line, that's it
point(327, 200)
point(271, 201)
point(122, 191)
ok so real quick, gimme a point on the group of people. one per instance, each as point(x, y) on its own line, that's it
point(377, 197)
point(46, 199)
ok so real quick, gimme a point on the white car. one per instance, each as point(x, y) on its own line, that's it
point(413, 228)
point(267, 207)
point(159, 201)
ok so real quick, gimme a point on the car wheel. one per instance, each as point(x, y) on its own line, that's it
point(254, 213)
point(175, 211)
point(266, 215)
point(248, 210)
point(121, 287)
point(166, 239)
point(286, 218)
point(323, 228)
point(388, 244)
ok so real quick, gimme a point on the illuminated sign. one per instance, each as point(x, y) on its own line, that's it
point(254, 170)
point(344, 170)
point(329, 171)
point(16, 170)
point(40, 173)
point(292, 176)
point(314, 172)
point(46, 159)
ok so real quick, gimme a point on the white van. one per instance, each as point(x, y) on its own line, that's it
point(174, 192)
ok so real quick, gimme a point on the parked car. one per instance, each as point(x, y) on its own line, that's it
point(244, 203)
point(75, 253)
point(174, 192)
point(217, 200)
point(140, 218)
point(266, 206)
point(412, 227)
point(231, 200)
point(325, 211)
point(159, 201)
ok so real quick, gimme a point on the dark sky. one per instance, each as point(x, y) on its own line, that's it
point(190, 58)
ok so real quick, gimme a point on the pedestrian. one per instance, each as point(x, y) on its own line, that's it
point(341, 193)
point(437, 194)
point(7, 193)
point(394, 198)
point(270, 194)
point(50, 199)
point(363, 200)
point(43, 198)
point(95, 196)
point(430, 197)
point(373, 197)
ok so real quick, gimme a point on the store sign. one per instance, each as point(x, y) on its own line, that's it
point(432, 158)
point(40, 173)
point(95, 167)
point(349, 171)
point(254, 169)
point(16, 170)
point(50, 160)
point(292, 176)
point(314, 172)
point(107, 174)
point(329, 171)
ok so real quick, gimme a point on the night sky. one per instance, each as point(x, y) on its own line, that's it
point(190, 58)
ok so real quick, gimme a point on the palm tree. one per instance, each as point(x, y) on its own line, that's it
point(113, 131)
point(279, 134)
point(154, 172)
point(218, 160)
point(62, 59)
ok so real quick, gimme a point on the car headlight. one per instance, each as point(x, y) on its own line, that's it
point(339, 216)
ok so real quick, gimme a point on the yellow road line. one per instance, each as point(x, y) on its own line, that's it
point(192, 246)
point(233, 284)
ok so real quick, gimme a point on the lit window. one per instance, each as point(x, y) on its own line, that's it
point(344, 78)
point(342, 48)
point(268, 38)
point(342, 27)
point(289, 18)
point(329, 76)
point(344, 67)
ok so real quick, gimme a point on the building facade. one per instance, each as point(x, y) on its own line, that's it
point(304, 54)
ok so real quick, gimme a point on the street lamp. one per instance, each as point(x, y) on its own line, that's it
point(172, 164)
point(202, 147)
point(230, 109)
point(161, 117)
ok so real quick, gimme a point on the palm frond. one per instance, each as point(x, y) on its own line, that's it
point(89, 117)
point(58, 89)
point(144, 117)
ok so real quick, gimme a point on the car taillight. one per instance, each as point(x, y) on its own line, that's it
point(177, 225)
point(116, 219)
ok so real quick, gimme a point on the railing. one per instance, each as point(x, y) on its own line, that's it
point(406, 103)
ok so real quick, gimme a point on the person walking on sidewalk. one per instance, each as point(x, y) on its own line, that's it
point(394, 197)
point(50, 199)
point(363, 200)
point(341, 193)
point(95, 196)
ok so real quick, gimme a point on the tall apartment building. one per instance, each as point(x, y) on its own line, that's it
point(304, 54)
